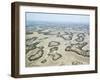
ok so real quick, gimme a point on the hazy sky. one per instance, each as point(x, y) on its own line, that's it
point(57, 17)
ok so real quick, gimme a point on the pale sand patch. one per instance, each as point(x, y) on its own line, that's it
point(67, 57)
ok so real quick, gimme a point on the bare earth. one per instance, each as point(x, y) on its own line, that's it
point(51, 47)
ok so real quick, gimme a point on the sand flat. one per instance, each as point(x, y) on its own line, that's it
point(60, 56)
